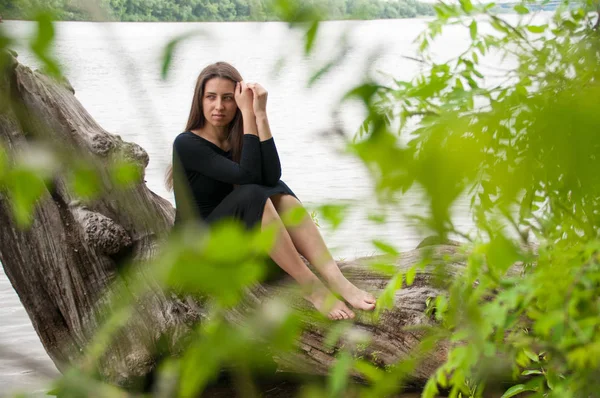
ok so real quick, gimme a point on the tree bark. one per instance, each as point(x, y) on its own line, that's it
point(62, 266)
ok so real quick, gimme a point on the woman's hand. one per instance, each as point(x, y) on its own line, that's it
point(260, 111)
point(260, 99)
point(244, 97)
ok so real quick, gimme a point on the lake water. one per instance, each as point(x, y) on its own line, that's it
point(115, 70)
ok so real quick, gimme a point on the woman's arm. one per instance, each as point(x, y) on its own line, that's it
point(271, 165)
point(244, 98)
point(197, 155)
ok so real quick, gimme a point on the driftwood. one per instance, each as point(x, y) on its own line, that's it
point(62, 266)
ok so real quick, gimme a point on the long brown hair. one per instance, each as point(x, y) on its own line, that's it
point(196, 120)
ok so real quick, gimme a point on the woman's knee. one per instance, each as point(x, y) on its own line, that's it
point(269, 206)
point(284, 202)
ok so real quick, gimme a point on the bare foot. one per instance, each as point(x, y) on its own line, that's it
point(328, 305)
point(356, 297)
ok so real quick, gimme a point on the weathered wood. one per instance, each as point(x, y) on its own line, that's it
point(63, 265)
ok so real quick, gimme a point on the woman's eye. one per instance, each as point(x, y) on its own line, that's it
point(228, 98)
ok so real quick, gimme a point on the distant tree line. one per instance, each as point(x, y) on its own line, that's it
point(214, 10)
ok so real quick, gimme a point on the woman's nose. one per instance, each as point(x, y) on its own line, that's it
point(219, 104)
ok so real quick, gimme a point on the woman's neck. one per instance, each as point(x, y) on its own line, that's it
point(217, 135)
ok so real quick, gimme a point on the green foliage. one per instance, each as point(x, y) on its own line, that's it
point(334, 214)
point(220, 266)
point(41, 42)
point(25, 188)
point(85, 181)
point(125, 173)
point(523, 151)
point(338, 378)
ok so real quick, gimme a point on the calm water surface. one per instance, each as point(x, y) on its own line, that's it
point(114, 69)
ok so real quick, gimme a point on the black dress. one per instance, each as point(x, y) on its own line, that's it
point(204, 179)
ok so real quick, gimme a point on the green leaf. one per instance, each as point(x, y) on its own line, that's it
point(25, 188)
point(85, 182)
point(339, 374)
point(424, 44)
point(385, 247)
point(228, 243)
point(384, 268)
point(441, 11)
point(431, 390)
point(498, 26)
point(514, 390)
point(531, 372)
point(370, 371)
point(285, 336)
point(466, 5)
point(410, 275)
point(532, 355)
point(170, 48)
point(264, 239)
point(323, 71)
point(552, 379)
point(41, 44)
point(386, 298)
point(502, 253)
point(365, 92)
point(3, 164)
point(311, 34)
point(125, 173)
point(334, 214)
point(521, 9)
point(441, 305)
point(294, 217)
point(536, 28)
point(219, 264)
point(377, 218)
point(5, 42)
point(473, 30)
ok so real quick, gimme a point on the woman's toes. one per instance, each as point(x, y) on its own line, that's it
point(371, 305)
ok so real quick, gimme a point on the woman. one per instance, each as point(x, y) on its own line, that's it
point(228, 160)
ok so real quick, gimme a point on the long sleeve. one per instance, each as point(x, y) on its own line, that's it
point(271, 166)
point(200, 157)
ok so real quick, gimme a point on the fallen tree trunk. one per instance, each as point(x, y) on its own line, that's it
point(64, 263)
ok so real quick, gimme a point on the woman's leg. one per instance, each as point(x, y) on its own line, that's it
point(308, 241)
point(286, 256)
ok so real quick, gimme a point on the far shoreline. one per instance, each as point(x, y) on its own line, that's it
point(190, 22)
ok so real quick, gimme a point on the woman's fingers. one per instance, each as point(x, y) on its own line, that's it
point(238, 88)
point(243, 96)
point(252, 86)
point(257, 89)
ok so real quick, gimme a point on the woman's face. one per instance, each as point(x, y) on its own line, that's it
point(218, 102)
